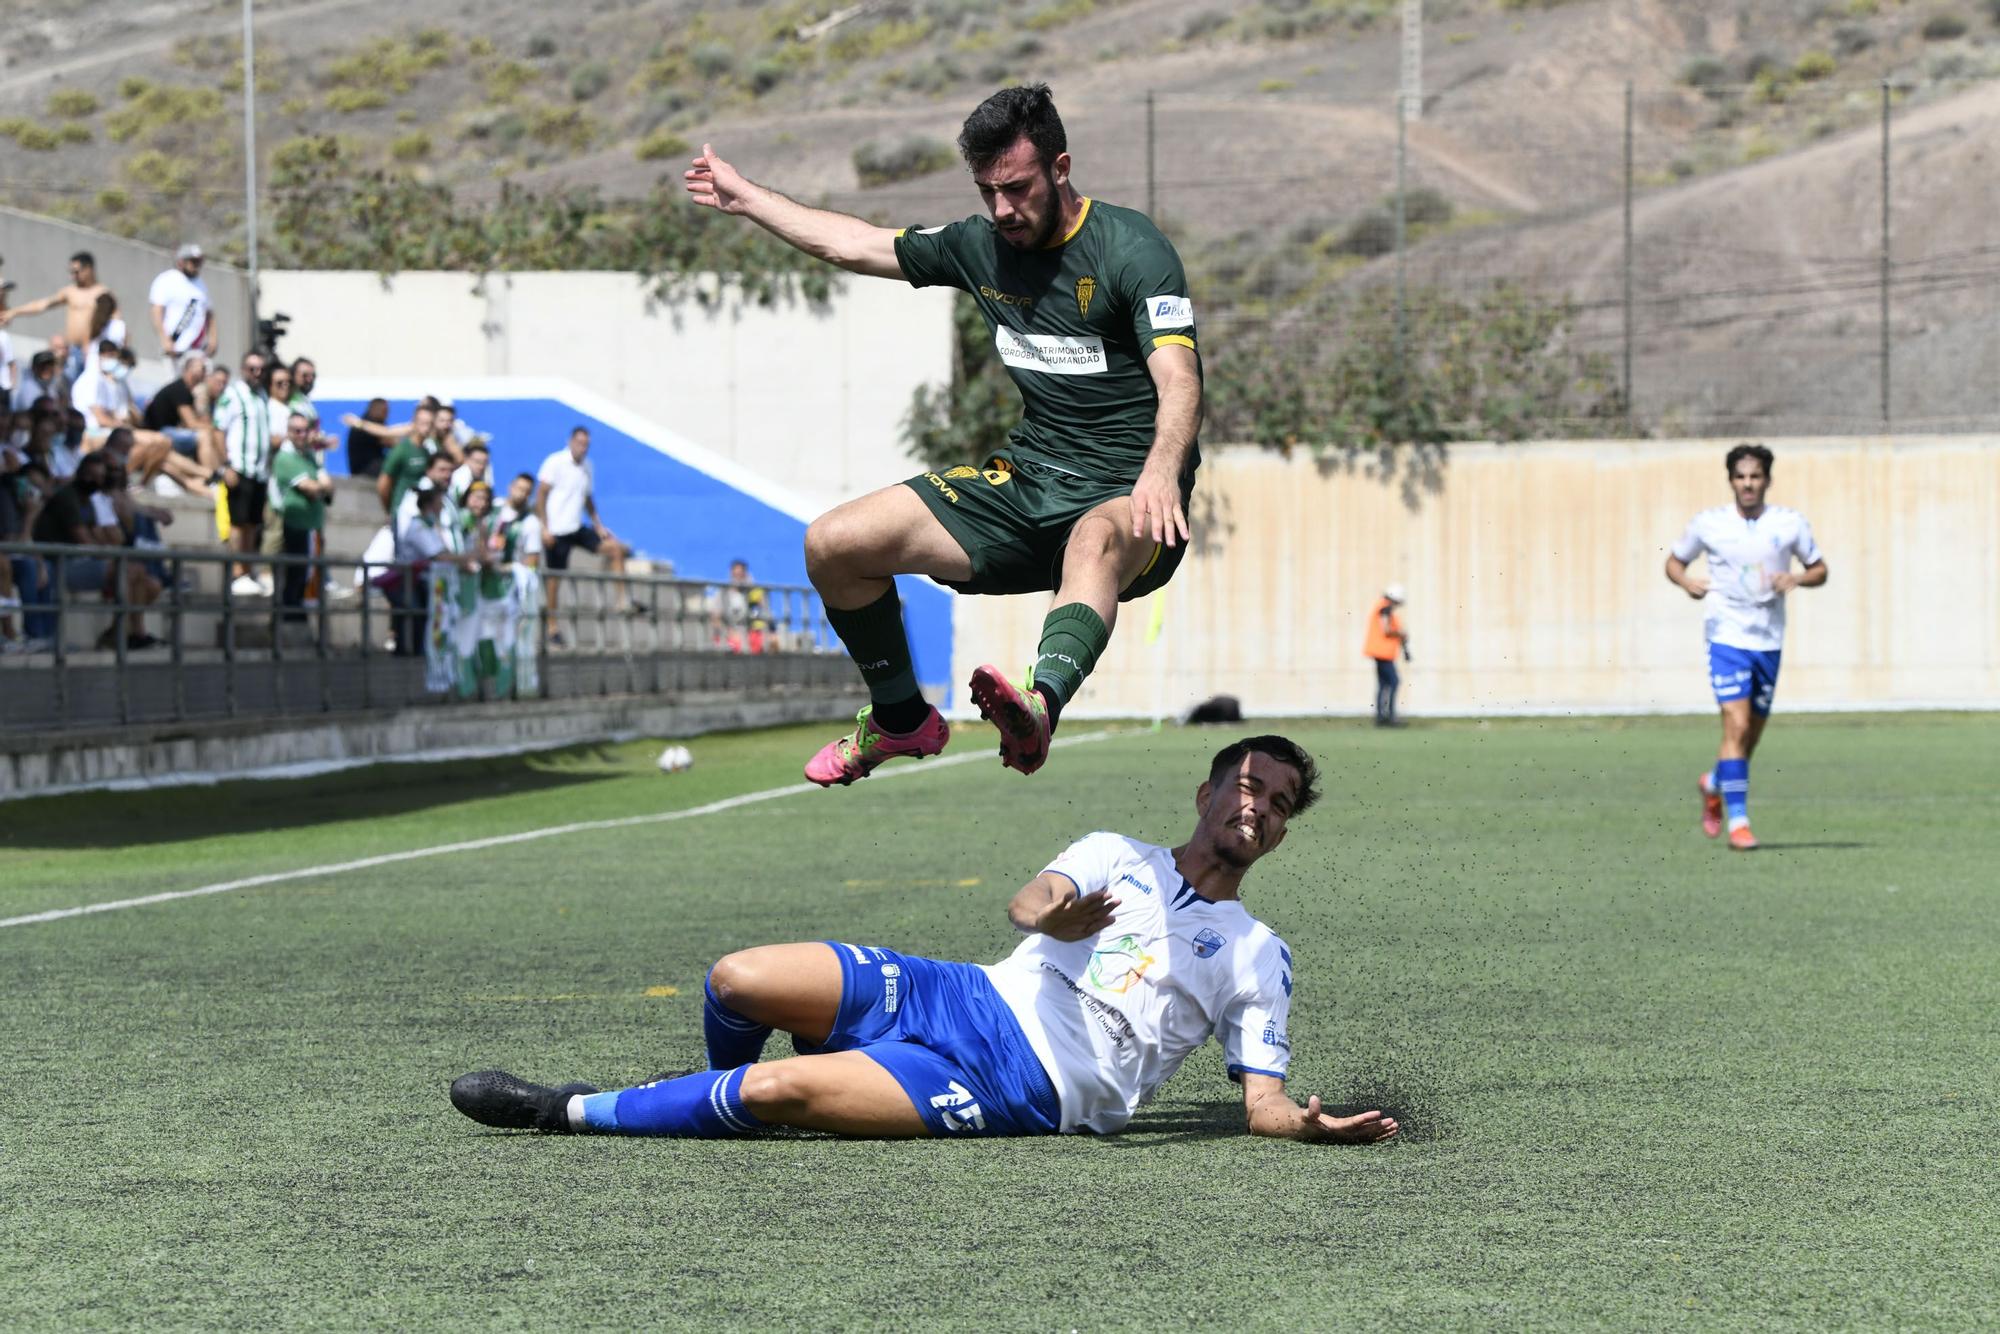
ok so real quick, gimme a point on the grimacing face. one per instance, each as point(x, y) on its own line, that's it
point(1021, 196)
point(1243, 815)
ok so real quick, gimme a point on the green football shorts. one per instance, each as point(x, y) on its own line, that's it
point(1013, 518)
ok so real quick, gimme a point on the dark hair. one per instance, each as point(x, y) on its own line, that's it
point(84, 257)
point(1280, 749)
point(479, 445)
point(303, 361)
point(428, 401)
point(368, 413)
point(519, 475)
point(1747, 450)
point(41, 359)
point(578, 430)
point(996, 124)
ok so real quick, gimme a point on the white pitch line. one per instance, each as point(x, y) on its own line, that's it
point(502, 840)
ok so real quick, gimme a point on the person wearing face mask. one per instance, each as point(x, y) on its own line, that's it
point(70, 517)
point(104, 397)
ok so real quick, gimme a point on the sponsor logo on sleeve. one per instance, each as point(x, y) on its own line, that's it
point(1170, 312)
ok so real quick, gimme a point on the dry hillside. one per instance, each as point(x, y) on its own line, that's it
point(1756, 146)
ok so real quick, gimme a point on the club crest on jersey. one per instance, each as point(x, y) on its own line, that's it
point(1086, 288)
point(1206, 942)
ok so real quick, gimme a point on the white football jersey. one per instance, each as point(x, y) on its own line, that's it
point(1743, 557)
point(1113, 1016)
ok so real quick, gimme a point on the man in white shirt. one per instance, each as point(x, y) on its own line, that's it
point(1750, 546)
point(243, 416)
point(183, 317)
point(564, 499)
point(1135, 956)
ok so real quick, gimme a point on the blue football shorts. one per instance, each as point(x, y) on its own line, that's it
point(1740, 673)
point(946, 1036)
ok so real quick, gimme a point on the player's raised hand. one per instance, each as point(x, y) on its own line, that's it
point(1077, 917)
point(713, 183)
point(1156, 509)
point(1366, 1128)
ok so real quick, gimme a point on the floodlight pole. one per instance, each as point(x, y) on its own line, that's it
point(1412, 91)
point(1885, 256)
point(250, 160)
point(1629, 417)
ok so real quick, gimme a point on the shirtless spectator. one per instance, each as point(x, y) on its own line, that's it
point(183, 316)
point(79, 302)
point(173, 414)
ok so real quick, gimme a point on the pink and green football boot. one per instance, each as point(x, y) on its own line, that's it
point(1019, 712)
point(856, 756)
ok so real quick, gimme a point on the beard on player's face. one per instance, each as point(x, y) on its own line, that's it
point(1037, 215)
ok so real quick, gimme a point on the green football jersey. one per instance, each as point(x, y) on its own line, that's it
point(1073, 323)
point(295, 508)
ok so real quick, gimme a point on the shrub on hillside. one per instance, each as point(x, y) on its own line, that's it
point(1851, 39)
point(1944, 27)
point(72, 103)
point(1706, 73)
point(588, 80)
point(878, 163)
point(662, 144)
point(1371, 234)
point(1813, 65)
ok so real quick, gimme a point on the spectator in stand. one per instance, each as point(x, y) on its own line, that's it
point(208, 393)
point(183, 317)
point(278, 397)
point(516, 520)
point(38, 383)
point(437, 472)
point(564, 498)
point(740, 618)
point(10, 369)
point(478, 467)
point(364, 451)
point(138, 523)
point(78, 299)
point(173, 414)
point(420, 540)
point(27, 576)
point(70, 517)
point(305, 375)
point(409, 458)
point(104, 393)
point(106, 326)
point(243, 415)
point(300, 489)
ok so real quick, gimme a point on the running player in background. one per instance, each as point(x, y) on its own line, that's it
point(1089, 310)
point(1135, 956)
point(1750, 546)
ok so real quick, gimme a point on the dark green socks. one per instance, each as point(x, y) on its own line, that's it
point(875, 640)
point(1072, 637)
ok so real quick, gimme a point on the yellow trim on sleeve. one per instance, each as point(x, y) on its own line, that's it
point(1179, 340)
point(1070, 235)
point(900, 231)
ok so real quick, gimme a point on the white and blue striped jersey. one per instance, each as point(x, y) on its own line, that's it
point(1114, 1015)
point(1743, 556)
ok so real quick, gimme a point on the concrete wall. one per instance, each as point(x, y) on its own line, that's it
point(809, 397)
point(36, 252)
point(1535, 584)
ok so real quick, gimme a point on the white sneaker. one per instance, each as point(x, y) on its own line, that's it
point(266, 585)
point(244, 586)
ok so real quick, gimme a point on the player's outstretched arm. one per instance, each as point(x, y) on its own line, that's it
point(1049, 904)
point(1678, 576)
point(1272, 1112)
point(837, 238)
point(1156, 497)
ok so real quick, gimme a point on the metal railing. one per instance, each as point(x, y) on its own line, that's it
point(348, 635)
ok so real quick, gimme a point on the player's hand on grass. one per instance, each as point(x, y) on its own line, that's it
point(713, 183)
point(1077, 917)
point(1365, 1128)
point(1156, 509)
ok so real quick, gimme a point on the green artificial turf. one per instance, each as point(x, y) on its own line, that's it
point(1644, 1081)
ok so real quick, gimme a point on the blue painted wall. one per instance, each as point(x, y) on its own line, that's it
point(668, 510)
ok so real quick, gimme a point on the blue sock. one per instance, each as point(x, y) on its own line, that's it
point(1732, 777)
point(732, 1040)
point(708, 1105)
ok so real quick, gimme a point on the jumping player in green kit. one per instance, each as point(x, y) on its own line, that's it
point(1090, 313)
